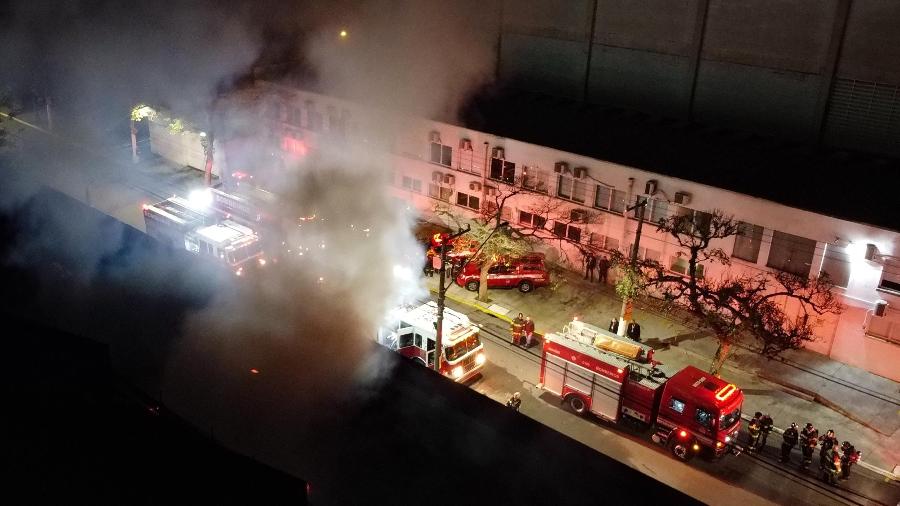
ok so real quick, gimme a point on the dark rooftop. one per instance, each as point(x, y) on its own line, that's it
point(852, 186)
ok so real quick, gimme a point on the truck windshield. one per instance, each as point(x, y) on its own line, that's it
point(727, 420)
point(459, 349)
point(243, 253)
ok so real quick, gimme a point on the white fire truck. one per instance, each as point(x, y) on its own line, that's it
point(411, 332)
point(595, 371)
point(183, 224)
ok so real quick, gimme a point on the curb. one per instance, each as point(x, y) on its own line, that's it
point(815, 397)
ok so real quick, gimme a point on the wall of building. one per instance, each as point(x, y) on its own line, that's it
point(417, 180)
point(794, 68)
point(182, 148)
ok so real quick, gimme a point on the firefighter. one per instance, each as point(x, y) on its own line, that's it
point(518, 325)
point(849, 456)
point(753, 429)
point(831, 465)
point(766, 423)
point(828, 441)
point(809, 438)
point(614, 325)
point(633, 331)
point(515, 400)
point(788, 443)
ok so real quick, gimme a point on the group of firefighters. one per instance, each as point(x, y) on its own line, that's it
point(835, 459)
point(523, 331)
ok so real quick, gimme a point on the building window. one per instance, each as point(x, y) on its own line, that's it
point(411, 184)
point(439, 192)
point(535, 179)
point(571, 189)
point(791, 253)
point(680, 265)
point(605, 242)
point(747, 242)
point(501, 170)
point(646, 253)
point(295, 116)
point(837, 264)
point(658, 210)
point(610, 199)
point(441, 154)
point(565, 231)
point(531, 219)
point(465, 200)
point(890, 276)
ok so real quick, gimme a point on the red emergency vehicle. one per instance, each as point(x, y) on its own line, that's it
point(596, 371)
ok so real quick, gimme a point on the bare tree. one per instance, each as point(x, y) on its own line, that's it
point(733, 306)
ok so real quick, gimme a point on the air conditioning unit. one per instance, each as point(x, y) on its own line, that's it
point(435, 136)
point(578, 215)
point(682, 198)
point(499, 153)
point(437, 177)
point(650, 187)
point(449, 179)
point(580, 172)
point(561, 167)
point(465, 144)
point(475, 186)
point(491, 190)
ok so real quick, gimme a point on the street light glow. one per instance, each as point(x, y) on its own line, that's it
point(343, 34)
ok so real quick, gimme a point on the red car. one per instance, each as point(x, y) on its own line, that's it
point(525, 273)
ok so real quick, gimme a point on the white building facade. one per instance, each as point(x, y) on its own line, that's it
point(439, 164)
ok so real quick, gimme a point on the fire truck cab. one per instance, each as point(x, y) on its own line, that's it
point(411, 331)
point(227, 242)
point(595, 371)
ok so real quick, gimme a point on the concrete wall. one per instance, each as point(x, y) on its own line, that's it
point(764, 65)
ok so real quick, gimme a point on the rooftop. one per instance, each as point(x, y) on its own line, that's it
point(842, 184)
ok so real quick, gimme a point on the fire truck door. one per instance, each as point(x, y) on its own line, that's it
point(554, 372)
point(605, 397)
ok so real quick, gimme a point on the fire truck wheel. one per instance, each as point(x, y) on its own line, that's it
point(472, 286)
point(577, 404)
point(681, 450)
point(525, 287)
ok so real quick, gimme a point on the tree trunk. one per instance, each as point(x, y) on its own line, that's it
point(483, 281)
point(721, 355)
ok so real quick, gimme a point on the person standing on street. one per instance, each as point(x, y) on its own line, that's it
point(518, 329)
point(529, 331)
point(849, 456)
point(633, 331)
point(790, 438)
point(753, 429)
point(809, 438)
point(766, 424)
point(515, 400)
point(590, 263)
point(828, 441)
point(602, 269)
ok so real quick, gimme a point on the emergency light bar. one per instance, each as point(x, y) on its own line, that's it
point(726, 392)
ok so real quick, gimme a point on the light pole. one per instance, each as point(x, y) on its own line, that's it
point(628, 302)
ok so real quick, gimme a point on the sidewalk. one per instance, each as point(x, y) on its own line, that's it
point(804, 386)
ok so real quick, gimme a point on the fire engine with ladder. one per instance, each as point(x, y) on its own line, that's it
point(595, 371)
point(411, 331)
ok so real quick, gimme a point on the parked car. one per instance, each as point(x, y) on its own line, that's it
point(526, 274)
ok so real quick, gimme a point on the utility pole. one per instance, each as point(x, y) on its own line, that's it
point(627, 302)
point(442, 291)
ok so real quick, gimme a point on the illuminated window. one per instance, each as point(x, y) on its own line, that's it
point(747, 242)
point(791, 253)
point(676, 405)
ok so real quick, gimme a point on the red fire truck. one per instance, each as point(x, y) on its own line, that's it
point(411, 332)
point(596, 371)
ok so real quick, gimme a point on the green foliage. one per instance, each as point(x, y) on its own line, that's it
point(176, 126)
point(632, 284)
